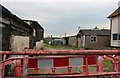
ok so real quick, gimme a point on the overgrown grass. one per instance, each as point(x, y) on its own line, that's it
point(107, 66)
point(58, 47)
point(106, 63)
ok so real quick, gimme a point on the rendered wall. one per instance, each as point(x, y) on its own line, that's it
point(115, 30)
point(18, 43)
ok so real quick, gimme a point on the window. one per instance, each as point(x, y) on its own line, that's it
point(115, 36)
point(119, 37)
point(93, 39)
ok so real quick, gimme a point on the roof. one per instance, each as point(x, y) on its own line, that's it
point(34, 23)
point(6, 13)
point(115, 13)
point(72, 36)
point(94, 32)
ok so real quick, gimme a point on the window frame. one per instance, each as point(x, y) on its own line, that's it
point(114, 36)
point(93, 39)
point(117, 37)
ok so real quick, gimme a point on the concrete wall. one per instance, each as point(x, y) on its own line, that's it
point(18, 43)
point(102, 42)
point(115, 30)
point(39, 45)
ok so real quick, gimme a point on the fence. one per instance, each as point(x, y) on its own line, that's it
point(96, 70)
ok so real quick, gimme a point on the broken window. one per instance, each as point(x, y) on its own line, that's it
point(93, 39)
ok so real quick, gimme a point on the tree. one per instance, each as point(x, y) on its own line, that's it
point(96, 28)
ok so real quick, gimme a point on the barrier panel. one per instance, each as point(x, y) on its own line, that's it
point(64, 63)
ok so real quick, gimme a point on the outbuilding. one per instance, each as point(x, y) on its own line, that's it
point(93, 39)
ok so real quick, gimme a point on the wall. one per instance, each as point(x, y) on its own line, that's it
point(115, 30)
point(72, 41)
point(4, 27)
point(18, 43)
point(102, 42)
point(81, 42)
point(38, 30)
point(39, 45)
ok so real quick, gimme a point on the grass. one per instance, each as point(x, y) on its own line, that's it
point(107, 66)
point(58, 47)
point(106, 63)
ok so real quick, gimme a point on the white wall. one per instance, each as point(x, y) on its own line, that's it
point(115, 24)
point(115, 30)
point(114, 42)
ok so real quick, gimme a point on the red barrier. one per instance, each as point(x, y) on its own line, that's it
point(65, 54)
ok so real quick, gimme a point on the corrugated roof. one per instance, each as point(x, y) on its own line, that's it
point(115, 13)
point(94, 32)
point(6, 13)
point(35, 23)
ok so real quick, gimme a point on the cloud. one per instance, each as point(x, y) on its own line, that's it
point(60, 0)
point(64, 17)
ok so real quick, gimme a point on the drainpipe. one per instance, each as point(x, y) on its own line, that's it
point(110, 30)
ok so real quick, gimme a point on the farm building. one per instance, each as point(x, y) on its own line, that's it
point(13, 30)
point(16, 34)
point(55, 41)
point(71, 40)
point(38, 32)
point(93, 39)
point(115, 28)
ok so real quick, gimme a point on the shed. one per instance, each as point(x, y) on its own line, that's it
point(93, 39)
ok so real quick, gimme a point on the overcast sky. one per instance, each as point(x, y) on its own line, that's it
point(58, 17)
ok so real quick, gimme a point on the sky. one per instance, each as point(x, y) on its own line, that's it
point(58, 17)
